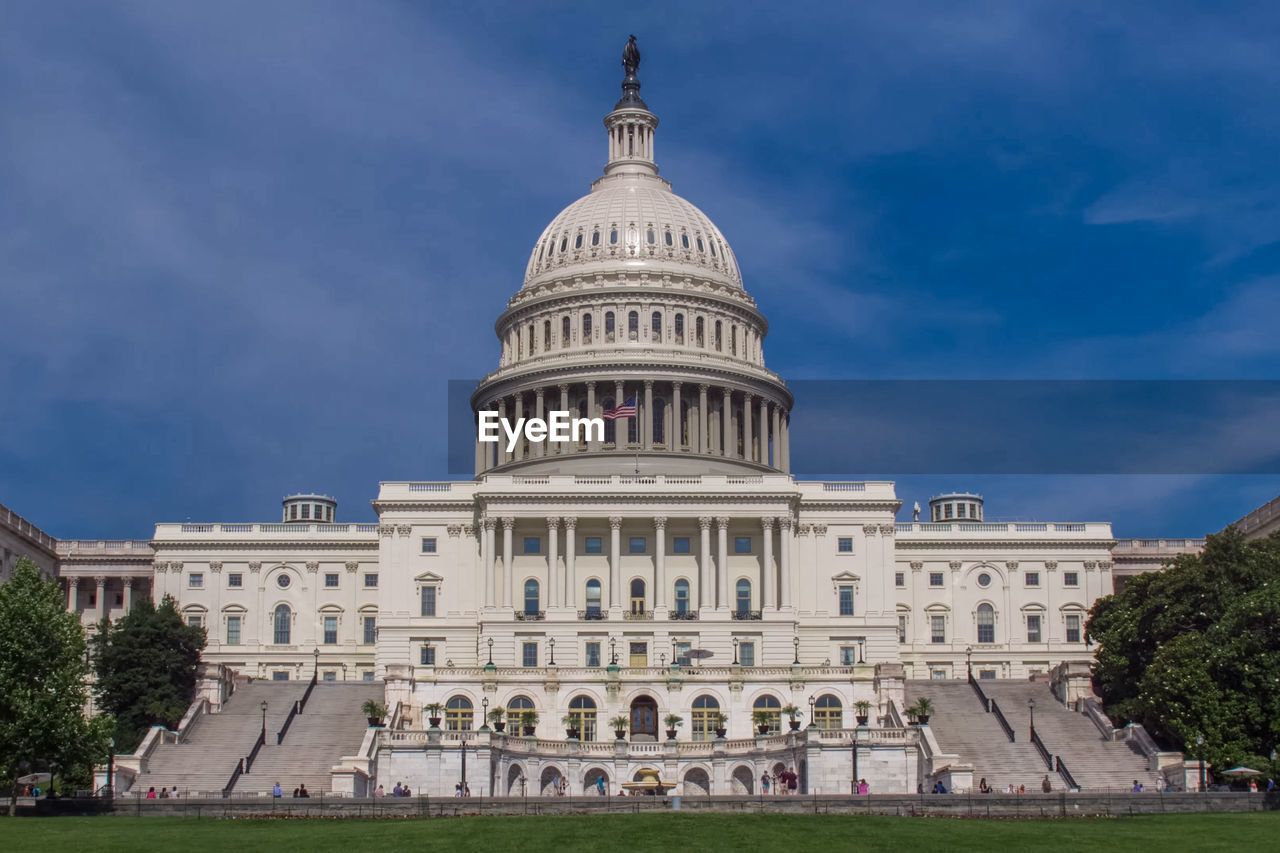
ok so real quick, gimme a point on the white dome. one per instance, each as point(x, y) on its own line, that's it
point(630, 222)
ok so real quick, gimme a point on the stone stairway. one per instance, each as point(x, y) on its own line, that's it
point(330, 727)
point(205, 760)
point(962, 727)
point(1094, 762)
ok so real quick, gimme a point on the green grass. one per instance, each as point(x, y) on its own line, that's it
point(653, 832)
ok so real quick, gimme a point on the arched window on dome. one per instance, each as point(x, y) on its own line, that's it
point(684, 241)
point(608, 327)
point(733, 340)
point(719, 338)
point(659, 421)
point(652, 237)
point(713, 247)
point(564, 243)
point(610, 426)
point(566, 331)
point(577, 241)
point(679, 323)
point(533, 340)
point(656, 326)
point(595, 237)
point(633, 325)
point(551, 248)
point(542, 250)
point(667, 237)
point(613, 236)
point(586, 328)
point(699, 338)
point(700, 246)
point(546, 336)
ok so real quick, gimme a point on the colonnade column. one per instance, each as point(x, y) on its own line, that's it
point(570, 587)
point(503, 455)
point(722, 561)
point(592, 444)
point(489, 562)
point(764, 431)
point(101, 581)
point(776, 413)
point(767, 581)
point(660, 562)
point(786, 444)
point(706, 587)
point(748, 451)
point(615, 558)
point(553, 553)
point(785, 551)
point(540, 406)
point(128, 595)
point(480, 448)
point(72, 584)
point(675, 440)
point(564, 407)
point(621, 432)
point(519, 451)
point(726, 424)
point(647, 423)
point(508, 569)
point(700, 446)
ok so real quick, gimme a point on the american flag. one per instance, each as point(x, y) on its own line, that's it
point(626, 410)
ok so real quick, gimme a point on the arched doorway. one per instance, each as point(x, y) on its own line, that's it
point(696, 781)
point(644, 718)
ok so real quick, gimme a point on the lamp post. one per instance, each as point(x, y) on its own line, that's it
point(463, 738)
point(613, 651)
point(662, 660)
point(1031, 709)
point(111, 767)
point(551, 644)
point(490, 651)
point(484, 710)
point(968, 660)
point(861, 659)
point(264, 719)
point(1200, 751)
point(675, 645)
point(315, 655)
point(812, 702)
point(735, 651)
point(795, 644)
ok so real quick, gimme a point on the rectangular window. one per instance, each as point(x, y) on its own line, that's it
point(370, 581)
point(899, 579)
point(293, 512)
point(195, 580)
point(960, 510)
point(635, 545)
point(848, 655)
point(747, 654)
point(593, 653)
point(367, 676)
point(988, 674)
point(330, 630)
point(428, 544)
point(329, 675)
point(370, 630)
point(306, 511)
point(280, 676)
point(1031, 579)
point(427, 655)
point(428, 601)
point(742, 544)
point(947, 510)
point(1073, 628)
point(845, 544)
point(529, 654)
point(331, 580)
point(846, 600)
point(938, 675)
point(591, 545)
point(1071, 579)
point(682, 653)
point(680, 545)
point(235, 580)
point(233, 630)
point(902, 628)
point(937, 629)
point(935, 578)
point(533, 545)
point(1033, 627)
point(195, 621)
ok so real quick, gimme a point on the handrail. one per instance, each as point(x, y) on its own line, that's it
point(1066, 774)
point(257, 745)
point(1040, 747)
point(235, 777)
point(977, 688)
point(293, 712)
point(315, 676)
point(1004, 724)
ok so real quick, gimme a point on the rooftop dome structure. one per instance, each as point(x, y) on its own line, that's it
point(632, 298)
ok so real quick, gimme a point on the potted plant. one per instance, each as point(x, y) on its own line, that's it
point(721, 721)
point(673, 722)
point(529, 721)
point(375, 711)
point(863, 709)
point(921, 711)
point(570, 723)
point(763, 720)
point(433, 714)
point(794, 713)
point(620, 724)
point(498, 717)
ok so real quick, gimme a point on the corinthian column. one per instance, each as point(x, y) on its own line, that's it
point(553, 570)
point(560, 446)
point(785, 551)
point(722, 560)
point(748, 451)
point(569, 589)
point(101, 581)
point(592, 444)
point(615, 558)
point(490, 573)
point(767, 582)
point(72, 584)
point(700, 446)
point(706, 587)
point(727, 445)
point(508, 570)
point(539, 448)
point(660, 562)
point(128, 595)
point(677, 420)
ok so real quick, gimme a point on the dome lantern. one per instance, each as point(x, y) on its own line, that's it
point(631, 126)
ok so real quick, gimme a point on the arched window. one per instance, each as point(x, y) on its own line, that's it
point(827, 712)
point(583, 711)
point(668, 238)
point(682, 596)
point(516, 706)
point(531, 597)
point(283, 624)
point(586, 328)
point(608, 327)
point(637, 597)
point(613, 235)
point(684, 241)
point(593, 599)
point(698, 336)
point(577, 242)
point(772, 709)
point(546, 335)
point(713, 248)
point(733, 340)
point(700, 248)
point(655, 326)
point(659, 421)
point(533, 340)
point(986, 623)
point(610, 426)
point(595, 238)
point(705, 717)
point(743, 602)
point(564, 242)
point(551, 249)
point(651, 237)
point(679, 328)
point(719, 338)
point(633, 325)
point(566, 331)
point(458, 714)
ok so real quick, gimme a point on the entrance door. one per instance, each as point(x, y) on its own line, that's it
point(639, 654)
point(644, 717)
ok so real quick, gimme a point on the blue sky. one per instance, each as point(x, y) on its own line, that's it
point(243, 246)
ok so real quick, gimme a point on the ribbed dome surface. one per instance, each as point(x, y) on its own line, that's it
point(631, 221)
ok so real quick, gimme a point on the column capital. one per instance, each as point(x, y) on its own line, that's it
point(312, 567)
point(215, 566)
point(563, 387)
point(677, 384)
point(704, 521)
point(508, 522)
point(100, 580)
point(489, 522)
point(766, 523)
point(540, 393)
point(570, 522)
point(351, 566)
point(591, 384)
point(722, 522)
point(648, 384)
point(784, 522)
point(73, 582)
point(703, 387)
point(255, 566)
point(615, 522)
point(660, 522)
point(128, 582)
point(553, 522)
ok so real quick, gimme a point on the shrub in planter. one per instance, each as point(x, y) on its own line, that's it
point(375, 711)
point(863, 709)
point(673, 722)
point(498, 717)
point(433, 710)
point(620, 724)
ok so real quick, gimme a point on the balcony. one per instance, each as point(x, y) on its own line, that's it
point(745, 615)
point(683, 615)
point(638, 615)
point(530, 615)
point(592, 614)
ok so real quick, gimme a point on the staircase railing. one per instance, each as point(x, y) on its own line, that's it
point(1004, 724)
point(1040, 747)
point(982, 696)
point(257, 745)
point(298, 706)
point(235, 777)
point(1066, 774)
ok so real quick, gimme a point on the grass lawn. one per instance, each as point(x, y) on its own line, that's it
point(653, 832)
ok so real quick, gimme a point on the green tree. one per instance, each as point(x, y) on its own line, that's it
point(146, 668)
point(43, 677)
point(1194, 651)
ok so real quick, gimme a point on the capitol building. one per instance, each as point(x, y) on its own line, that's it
point(671, 566)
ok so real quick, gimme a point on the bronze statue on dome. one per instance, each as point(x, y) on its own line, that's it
point(631, 57)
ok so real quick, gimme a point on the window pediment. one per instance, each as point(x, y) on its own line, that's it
point(428, 578)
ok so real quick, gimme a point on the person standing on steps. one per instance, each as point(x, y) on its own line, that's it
point(1046, 785)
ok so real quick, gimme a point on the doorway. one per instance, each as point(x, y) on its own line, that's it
point(644, 719)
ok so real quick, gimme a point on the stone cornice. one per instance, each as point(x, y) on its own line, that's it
point(263, 544)
point(903, 544)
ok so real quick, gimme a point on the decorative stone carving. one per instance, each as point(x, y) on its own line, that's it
point(916, 565)
point(704, 522)
point(766, 523)
point(508, 522)
point(955, 565)
point(570, 522)
point(804, 529)
point(659, 522)
point(404, 529)
point(819, 530)
point(1012, 565)
point(313, 567)
point(553, 522)
point(158, 567)
point(615, 522)
point(351, 566)
point(1051, 566)
point(454, 530)
point(1090, 565)
point(255, 567)
point(128, 583)
point(215, 567)
point(722, 522)
point(785, 522)
point(386, 529)
point(871, 529)
point(1105, 565)
point(489, 522)
point(175, 567)
point(888, 530)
